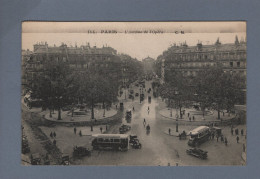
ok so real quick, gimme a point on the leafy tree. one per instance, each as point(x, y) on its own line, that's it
point(176, 88)
point(217, 89)
point(53, 85)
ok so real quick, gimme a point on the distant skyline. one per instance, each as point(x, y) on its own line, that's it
point(138, 46)
point(136, 39)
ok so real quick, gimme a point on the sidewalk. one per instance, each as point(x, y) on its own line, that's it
point(66, 116)
point(211, 116)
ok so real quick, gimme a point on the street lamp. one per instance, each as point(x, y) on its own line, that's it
point(140, 96)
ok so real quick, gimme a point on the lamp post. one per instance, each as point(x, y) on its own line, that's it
point(140, 96)
point(176, 93)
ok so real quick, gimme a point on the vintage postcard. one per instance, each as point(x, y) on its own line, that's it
point(134, 93)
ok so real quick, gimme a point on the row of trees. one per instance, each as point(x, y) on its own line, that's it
point(58, 85)
point(212, 88)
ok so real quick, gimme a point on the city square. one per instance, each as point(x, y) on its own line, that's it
point(184, 107)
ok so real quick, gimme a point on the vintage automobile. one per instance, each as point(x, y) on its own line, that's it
point(81, 151)
point(216, 131)
point(35, 159)
point(197, 153)
point(65, 159)
point(134, 142)
point(124, 128)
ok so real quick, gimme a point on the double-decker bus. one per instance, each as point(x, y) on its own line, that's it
point(198, 136)
point(110, 141)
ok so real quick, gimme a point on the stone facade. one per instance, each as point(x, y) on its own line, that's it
point(191, 59)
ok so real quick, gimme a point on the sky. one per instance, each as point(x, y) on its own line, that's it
point(138, 45)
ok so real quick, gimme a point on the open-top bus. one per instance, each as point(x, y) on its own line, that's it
point(110, 141)
point(198, 136)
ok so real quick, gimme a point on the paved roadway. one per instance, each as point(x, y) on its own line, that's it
point(158, 148)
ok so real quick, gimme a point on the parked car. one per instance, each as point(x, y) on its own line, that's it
point(197, 153)
point(124, 128)
point(134, 142)
point(81, 151)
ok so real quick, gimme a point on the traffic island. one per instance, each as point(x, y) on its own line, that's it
point(112, 116)
point(192, 116)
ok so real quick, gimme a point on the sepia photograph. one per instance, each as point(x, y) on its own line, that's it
point(134, 93)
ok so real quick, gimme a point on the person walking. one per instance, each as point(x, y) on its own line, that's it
point(133, 108)
point(75, 130)
point(51, 135)
point(169, 131)
point(232, 131)
point(213, 135)
point(80, 134)
point(217, 138)
point(242, 132)
point(144, 123)
point(222, 138)
point(226, 141)
point(244, 147)
point(54, 134)
point(237, 139)
point(101, 129)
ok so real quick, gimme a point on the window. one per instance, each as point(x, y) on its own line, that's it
point(238, 64)
point(231, 64)
point(116, 140)
point(100, 140)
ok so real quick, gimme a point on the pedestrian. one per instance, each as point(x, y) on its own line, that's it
point(237, 131)
point(237, 139)
point(244, 147)
point(75, 130)
point(101, 129)
point(190, 119)
point(116, 106)
point(213, 135)
point(51, 135)
point(80, 134)
point(188, 114)
point(54, 142)
point(169, 131)
point(232, 131)
point(242, 131)
point(148, 108)
point(226, 141)
point(217, 138)
point(193, 118)
point(222, 138)
point(133, 108)
point(54, 134)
